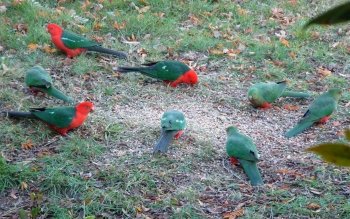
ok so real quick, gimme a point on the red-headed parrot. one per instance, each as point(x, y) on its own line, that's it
point(172, 72)
point(262, 94)
point(73, 44)
point(172, 123)
point(38, 80)
point(60, 119)
point(319, 111)
point(242, 148)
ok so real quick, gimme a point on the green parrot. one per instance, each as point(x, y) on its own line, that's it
point(60, 119)
point(73, 44)
point(172, 123)
point(319, 111)
point(242, 148)
point(172, 72)
point(38, 80)
point(263, 94)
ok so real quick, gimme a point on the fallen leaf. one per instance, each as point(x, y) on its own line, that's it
point(278, 63)
point(293, 55)
point(27, 145)
point(48, 49)
point(337, 153)
point(324, 71)
point(97, 26)
point(193, 19)
point(288, 172)
point(284, 42)
point(118, 26)
point(144, 9)
point(293, 2)
point(24, 185)
point(21, 28)
point(215, 51)
point(242, 11)
point(336, 123)
point(291, 107)
point(13, 194)
point(233, 214)
point(313, 206)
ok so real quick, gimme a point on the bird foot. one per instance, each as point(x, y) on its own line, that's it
point(178, 134)
point(234, 161)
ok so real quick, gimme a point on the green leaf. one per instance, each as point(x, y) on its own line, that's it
point(337, 153)
point(22, 214)
point(347, 134)
point(335, 15)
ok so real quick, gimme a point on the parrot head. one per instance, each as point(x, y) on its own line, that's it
point(255, 97)
point(85, 107)
point(190, 77)
point(54, 29)
point(173, 120)
point(231, 130)
point(335, 93)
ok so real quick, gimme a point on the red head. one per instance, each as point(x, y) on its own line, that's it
point(85, 107)
point(190, 77)
point(54, 29)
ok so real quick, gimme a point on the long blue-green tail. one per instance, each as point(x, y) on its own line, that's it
point(299, 128)
point(58, 94)
point(100, 49)
point(16, 114)
point(295, 94)
point(252, 171)
point(162, 145)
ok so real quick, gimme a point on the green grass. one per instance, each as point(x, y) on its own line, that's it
point(105, 169)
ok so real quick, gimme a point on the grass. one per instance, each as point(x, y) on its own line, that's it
point(105, 168)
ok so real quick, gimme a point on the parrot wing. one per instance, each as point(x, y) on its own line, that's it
point(60, 117)
point(75, 41)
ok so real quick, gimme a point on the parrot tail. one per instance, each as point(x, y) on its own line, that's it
point(18, 114)
point(162, 145)
point(58, 94)
point(129, 69)
point(299, 128)
point(252, 171)
point(295, 94)
point(100, 49)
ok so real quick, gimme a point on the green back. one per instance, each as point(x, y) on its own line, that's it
point(266, 92)
point(173, 120)
point(165, 70)
point(60, 117)
point(38, 77)
point(74, 41)
point(322, 106)
point(240, 146)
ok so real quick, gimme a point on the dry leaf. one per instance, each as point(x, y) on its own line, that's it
point(48, 49)
point(193, 19)
point(291, 107)
point(293, 55)
point(242, 11)
point(118, 26)
point(278, 63)
point(284, 42)
point(27, 145)
point(233, 214)
point(86, 4)
point(288, 172)
point(293, 2)
point(313, 206)
point(323, 71)
point(131, 38)
point(144, 9)
point(215, 51)
point(21, 28)
point(13, 194)
point(97, 26)
point(24, 185)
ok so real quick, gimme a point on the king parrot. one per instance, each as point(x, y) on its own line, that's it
point(319, 111)
point(172, 72)
point(172, 123)
point(73, 44)
point(60, 119)
point(242, 148)
point(38, 80)
point(262, 94)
